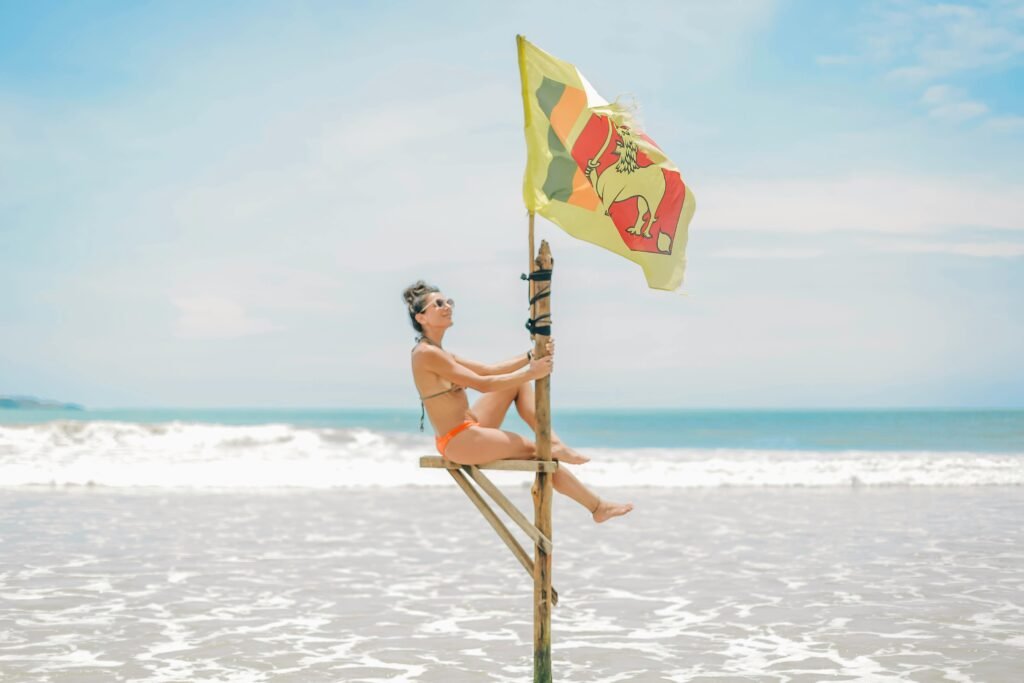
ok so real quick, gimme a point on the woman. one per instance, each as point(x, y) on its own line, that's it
point(473, 437)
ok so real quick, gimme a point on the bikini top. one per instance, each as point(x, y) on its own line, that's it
point(450, 390)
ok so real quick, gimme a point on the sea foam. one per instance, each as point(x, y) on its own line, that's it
point(274, 456)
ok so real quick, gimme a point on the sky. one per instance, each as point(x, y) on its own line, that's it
point(219, 204)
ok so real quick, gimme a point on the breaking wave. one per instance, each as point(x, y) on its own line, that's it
point(275, 456)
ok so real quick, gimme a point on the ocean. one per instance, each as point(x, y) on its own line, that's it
point(351, 448)
point(304, 546)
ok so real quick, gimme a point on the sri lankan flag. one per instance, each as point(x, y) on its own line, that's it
point(590, 171)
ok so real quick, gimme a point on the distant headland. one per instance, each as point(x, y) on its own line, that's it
point(31, 403)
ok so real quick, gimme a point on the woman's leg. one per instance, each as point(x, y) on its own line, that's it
point(526, 406)
point(601, 510)
point(480, 444)
point(566, 483)
point(490, 408)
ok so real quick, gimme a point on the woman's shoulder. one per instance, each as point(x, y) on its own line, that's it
point(425, 352)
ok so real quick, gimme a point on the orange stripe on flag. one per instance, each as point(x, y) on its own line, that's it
point(583, 194)
point(565, 113)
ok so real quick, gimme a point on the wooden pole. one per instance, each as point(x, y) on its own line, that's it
point(531, 253)
point(529, 284)
point(542, 491)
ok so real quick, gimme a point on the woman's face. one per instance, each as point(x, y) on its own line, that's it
point(437, 311)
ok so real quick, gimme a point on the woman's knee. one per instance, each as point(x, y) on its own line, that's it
point(527, 449)
point(491, 408)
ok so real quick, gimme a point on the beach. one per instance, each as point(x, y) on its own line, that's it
point(409, 584)
point(258, 259)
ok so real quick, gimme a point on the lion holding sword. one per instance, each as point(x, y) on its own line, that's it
point(626, 179)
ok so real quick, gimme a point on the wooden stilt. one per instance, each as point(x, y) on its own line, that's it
point(542, 488)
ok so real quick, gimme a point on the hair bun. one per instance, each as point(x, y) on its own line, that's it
point(414, 293)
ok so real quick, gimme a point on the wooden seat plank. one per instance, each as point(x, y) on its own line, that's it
point(437, 462)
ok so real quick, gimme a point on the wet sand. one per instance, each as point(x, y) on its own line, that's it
point(744, 584)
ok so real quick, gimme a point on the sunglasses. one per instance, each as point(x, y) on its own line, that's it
point(439, 303)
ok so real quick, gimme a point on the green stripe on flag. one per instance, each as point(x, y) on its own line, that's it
point(548, 95)
point(561, 170)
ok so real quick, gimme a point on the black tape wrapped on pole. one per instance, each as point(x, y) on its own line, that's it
point(542, 323)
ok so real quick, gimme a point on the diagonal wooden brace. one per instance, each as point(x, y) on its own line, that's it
point(496, 524)
point(505, 504)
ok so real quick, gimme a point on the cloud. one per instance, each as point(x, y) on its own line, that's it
point(957, 112)
point(211, 317)
point(910, 74)
point(873, 203)
point(1005, 123)
point(920, 42)
point(951, 104)
point(944, 39)
point(768, 253)
point(836, 60)
point(975, 249)
point(940, 94)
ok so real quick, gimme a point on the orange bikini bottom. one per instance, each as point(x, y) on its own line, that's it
point(442, 441)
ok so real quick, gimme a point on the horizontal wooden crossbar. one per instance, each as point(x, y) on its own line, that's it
point(438, 462)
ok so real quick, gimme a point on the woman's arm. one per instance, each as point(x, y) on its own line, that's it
point(503, 367)
point(500, 368)
point(441, 363)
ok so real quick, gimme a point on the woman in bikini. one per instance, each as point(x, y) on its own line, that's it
point(473, 437)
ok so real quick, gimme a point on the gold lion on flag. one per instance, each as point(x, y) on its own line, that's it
point(626, 180)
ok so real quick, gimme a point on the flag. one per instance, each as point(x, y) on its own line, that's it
point(593, 173)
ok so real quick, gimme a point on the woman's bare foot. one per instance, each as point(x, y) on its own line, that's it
point(559, 451)
point(606, 510)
